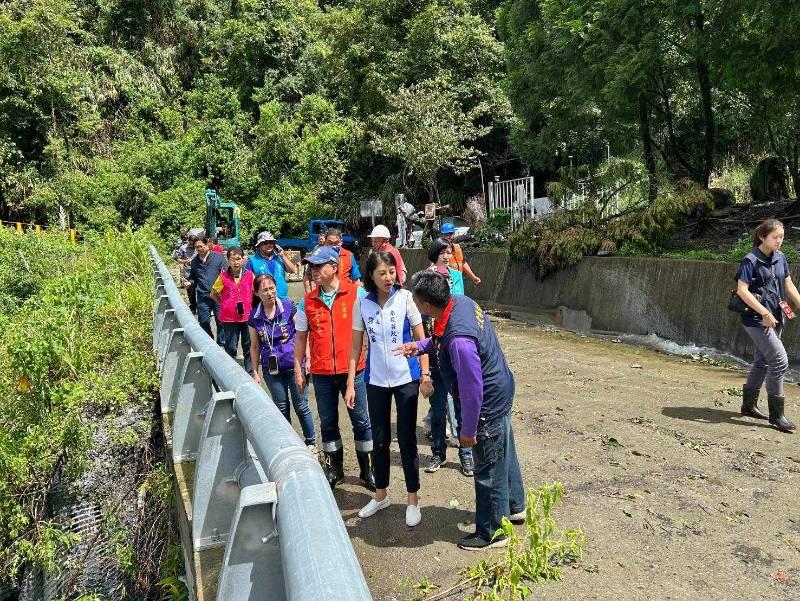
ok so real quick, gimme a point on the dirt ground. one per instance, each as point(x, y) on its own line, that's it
point(695, 502)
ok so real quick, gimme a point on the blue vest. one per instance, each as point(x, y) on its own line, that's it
point(468, 319)
point(274, 267)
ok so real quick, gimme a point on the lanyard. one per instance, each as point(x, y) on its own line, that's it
point(271, 340)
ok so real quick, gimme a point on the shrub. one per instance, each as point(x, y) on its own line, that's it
point(73, 351)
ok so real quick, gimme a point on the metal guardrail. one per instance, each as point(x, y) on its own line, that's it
point(257, 491)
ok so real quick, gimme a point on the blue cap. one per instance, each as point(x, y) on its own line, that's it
point(448, 228)
point(324, 254)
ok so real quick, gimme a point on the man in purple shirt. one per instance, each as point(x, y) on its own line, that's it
point(475, 371)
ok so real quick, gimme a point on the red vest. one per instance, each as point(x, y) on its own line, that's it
point(232, 293)
point(331, 330)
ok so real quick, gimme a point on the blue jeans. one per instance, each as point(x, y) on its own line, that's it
point(327, 389)
point(280, 387)
point(232, 332)
point(205, 307)
point(443, 406)
point(498, 480)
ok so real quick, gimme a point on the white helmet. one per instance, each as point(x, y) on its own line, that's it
point(380, 231)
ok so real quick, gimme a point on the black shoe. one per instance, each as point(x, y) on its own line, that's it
point(750, 403)
point(332, 466)
point(468, 466)
point(474, 542)
point(366, 473)
point(776, 416)
point(434, 464)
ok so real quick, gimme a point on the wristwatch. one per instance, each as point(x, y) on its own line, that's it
point(426, 373)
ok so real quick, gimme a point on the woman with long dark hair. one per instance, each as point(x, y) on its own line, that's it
point(389, 317)
point(272, 338)
point(764, 283)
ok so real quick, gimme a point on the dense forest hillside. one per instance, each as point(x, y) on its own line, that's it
point(122, 111)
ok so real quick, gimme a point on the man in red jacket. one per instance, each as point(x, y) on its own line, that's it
point(324, 321)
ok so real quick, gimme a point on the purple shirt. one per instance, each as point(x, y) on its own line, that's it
point(463, 352)
point(276, 336)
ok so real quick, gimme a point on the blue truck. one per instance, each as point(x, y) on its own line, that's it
point(315, 227)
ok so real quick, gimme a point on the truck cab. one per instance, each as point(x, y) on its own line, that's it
point(315, 228)
point(222, 220)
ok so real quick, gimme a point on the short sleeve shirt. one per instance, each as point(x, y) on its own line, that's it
point(766, 276)
point(412, 313)
point(301, 319)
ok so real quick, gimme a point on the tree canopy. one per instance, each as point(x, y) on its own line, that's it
point(122, 112)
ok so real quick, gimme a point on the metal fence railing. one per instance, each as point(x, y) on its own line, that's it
point(257, 490)
point(514, 196)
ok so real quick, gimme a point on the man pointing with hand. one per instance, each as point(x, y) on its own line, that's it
point(474, 370)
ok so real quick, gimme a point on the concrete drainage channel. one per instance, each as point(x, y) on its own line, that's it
point(579, 323)
point(678, 300)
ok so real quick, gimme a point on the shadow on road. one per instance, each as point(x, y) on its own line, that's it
point(388, 528)
point(709, 415)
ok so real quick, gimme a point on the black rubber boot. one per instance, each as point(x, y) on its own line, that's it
point(366, 472)
point(333, 466)
point(750, 403)
point(776, 416)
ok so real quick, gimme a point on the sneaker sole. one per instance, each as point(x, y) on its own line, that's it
point(498, 544)
point(431, 470)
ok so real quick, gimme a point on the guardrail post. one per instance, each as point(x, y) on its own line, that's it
point(252, 564)
point(162, 304)
point(220, 460)
point(190, 400)
point(171, 366)
point(168, 324)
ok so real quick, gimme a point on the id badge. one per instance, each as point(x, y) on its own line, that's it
point(787, 309)
point(272, 365)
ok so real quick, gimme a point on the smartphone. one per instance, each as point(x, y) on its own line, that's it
point(272, 365)
point(278, 249)
point(240, 308)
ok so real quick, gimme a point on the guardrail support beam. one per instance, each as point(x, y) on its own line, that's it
point(161, 305)
point(172, 367)
point(253, 545)
point(168, 324)
point(220, 460)
point(190, 401)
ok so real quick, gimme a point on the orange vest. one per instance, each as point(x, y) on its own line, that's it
point(345, 263)
point(331, 330)
point(458, 258)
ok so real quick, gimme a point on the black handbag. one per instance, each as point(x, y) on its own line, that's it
point(737, 305)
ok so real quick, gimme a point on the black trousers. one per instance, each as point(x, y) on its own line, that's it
point(379, 402)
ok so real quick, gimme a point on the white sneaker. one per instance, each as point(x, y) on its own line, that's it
point(413, 515)
point(373, 507)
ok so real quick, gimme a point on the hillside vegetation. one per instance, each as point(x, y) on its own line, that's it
point(123, 111)
point(76, 414)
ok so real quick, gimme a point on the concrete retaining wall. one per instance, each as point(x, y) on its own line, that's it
point(682, 300)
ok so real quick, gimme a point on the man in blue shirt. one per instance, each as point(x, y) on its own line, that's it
point(203, 272)
point(270, 258)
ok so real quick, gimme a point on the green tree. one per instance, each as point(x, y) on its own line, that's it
point(427, 131)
